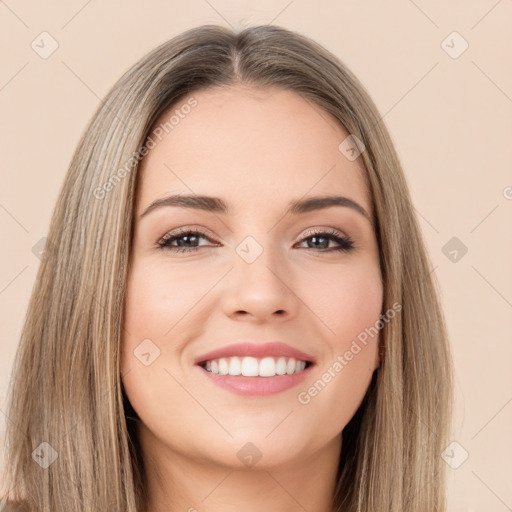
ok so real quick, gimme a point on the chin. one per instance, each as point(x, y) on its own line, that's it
point(257, 450)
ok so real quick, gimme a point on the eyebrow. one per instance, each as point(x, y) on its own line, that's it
point(218, 205)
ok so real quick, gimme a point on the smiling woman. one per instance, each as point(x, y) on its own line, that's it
point(246, 319)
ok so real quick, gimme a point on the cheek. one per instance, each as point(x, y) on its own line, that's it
point(156, 307)
point(160, 308)
point(348, 301)
point(351, 307)
point(159, 296)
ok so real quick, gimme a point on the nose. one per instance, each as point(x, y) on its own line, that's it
point(260, 291)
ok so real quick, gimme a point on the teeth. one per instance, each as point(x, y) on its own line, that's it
point(267, 367)
point(250, 367)
point(281, 366)
point(254, 367)
point(223, 366)
point(235, 366)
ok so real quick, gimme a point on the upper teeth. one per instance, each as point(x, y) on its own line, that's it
point(254, 367)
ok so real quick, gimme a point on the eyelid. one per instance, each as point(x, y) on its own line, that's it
point(341, 238)
point(304, 234)
point(344, 241)
point(185, 230)
point(323, 229)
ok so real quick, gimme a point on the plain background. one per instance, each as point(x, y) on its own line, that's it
point(449, 116)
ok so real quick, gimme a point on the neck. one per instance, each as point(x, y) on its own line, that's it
point(178, 483)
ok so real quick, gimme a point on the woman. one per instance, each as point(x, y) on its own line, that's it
point(235, 308)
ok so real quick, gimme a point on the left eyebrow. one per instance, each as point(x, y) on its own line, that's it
point(320, 202)
point(218, 205)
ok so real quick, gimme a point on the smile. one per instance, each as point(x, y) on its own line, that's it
point(255, 367)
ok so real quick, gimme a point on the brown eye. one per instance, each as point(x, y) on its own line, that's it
point(321, 239)
point(187, 241)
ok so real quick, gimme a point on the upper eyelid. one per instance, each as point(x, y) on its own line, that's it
point(205, 233)
point(183, 231)
point(325, 230)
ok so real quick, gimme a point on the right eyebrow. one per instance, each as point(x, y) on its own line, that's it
point(210, 204)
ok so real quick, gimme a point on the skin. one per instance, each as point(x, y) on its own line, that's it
point(257, 150)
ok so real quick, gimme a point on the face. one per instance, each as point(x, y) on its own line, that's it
point(241, 273)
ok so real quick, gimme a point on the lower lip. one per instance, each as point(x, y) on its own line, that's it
point(257, 386)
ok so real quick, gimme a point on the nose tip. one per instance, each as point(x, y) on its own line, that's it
point(257, 291)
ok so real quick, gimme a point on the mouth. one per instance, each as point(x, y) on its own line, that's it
point(256, 369)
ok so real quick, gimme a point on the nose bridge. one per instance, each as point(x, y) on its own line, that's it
point(259, 263)
point(258, 282)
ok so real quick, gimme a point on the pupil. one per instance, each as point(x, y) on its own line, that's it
point(316, 238)
point(185, 239)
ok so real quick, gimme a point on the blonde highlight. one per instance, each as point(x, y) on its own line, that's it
point(66, 387)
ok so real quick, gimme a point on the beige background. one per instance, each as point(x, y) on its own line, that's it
point(449, 117)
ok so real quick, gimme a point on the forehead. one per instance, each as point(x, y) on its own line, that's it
point(254, 147)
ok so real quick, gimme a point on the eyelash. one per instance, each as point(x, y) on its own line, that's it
point(346, 244)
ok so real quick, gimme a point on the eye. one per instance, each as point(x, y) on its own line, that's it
point(321, 239)
point(188, 241)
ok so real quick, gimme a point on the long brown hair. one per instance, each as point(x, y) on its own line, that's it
point(66, 400)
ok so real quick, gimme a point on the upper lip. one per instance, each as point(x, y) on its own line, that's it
point(260, 350)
